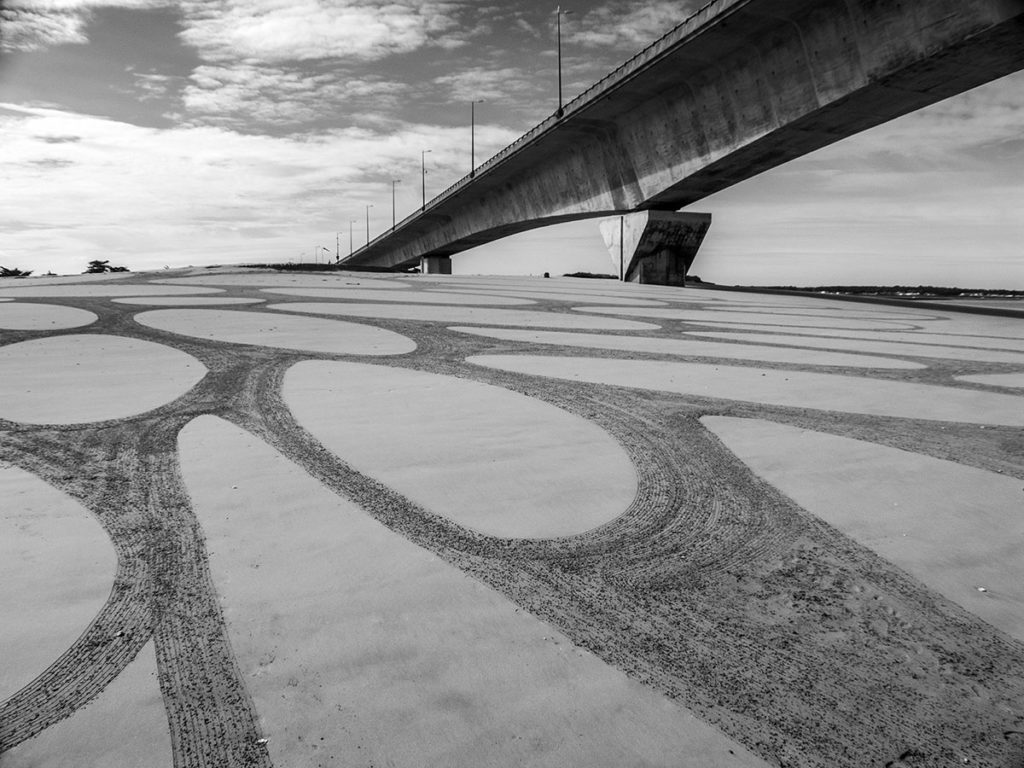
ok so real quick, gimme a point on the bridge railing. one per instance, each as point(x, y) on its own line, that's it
point(606, 83)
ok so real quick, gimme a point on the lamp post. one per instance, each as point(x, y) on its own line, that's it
point(337, 246)
point(351, 248)
point(472, 136)
point(423, 175)
point(558, 26)
point(368, 223)
point(393, 182)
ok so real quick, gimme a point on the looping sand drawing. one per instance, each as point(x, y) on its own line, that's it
point(787, 634)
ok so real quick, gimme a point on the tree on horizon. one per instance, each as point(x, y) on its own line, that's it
point(98, 267)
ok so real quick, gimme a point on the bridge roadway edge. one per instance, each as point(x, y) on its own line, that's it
point(709, 107)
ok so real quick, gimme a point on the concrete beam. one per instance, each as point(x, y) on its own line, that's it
point(654, 247)
point(740, 87)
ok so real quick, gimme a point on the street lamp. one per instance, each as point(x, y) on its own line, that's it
point(393, 182)
point(423, 175)
point(351, 248)
point(472, 136)
point(558, 25)
point(368, 223)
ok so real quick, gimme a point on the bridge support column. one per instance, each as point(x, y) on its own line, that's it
point(655, 247)
point(436, 265)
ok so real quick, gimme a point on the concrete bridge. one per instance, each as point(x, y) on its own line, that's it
point(740, 87)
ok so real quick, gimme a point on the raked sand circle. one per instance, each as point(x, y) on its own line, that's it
point(100, 291)
point(357, 645)
point(476, 315)
point(794, 389)
point(562, 296)
point(65, 279)
point(185, 301)
point(779, 301)
point(74, 379)
point(683, 347)
point(124, 727)
point(926, 515)
point(585, 289)
point(415, 297)
point(977, 337)
point(851, 313)
point(493, 460)
point(1013, 344)
point(996, 379)
point(978, 325)
point(767, 318)
point(643, 294)
point(566, 285)
point(867, 346)
point(26, 316)
point(57, 567)
point(265, 329)
point(285, 280)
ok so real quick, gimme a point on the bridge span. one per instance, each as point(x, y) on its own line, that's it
point(739, 87)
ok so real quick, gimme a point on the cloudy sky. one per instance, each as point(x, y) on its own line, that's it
point(175, 132)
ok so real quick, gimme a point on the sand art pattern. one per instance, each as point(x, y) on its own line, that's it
point(706, 617)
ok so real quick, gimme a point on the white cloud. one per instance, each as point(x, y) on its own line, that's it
point(30, 25)
point(32, 31)
point(268, 31)
point(939, 134)
point(473, 84)
point(75, 187)
point(628, 25)
point(253, 95)
point(153, 87)
point(274, 31)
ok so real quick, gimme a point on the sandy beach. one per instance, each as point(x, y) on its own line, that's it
point(350, 519)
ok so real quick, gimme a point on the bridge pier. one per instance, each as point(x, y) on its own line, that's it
point(436, 265)
point(655, 247)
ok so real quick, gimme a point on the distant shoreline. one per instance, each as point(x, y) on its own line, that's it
point(903, 291)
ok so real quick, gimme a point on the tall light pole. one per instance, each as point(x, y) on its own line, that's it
point(393, 182)
point(368, 223)
point(472, 136)
point(423, 175)
point(351, 248)
point(558, 26)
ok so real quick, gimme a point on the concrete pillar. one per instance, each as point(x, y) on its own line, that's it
point(654, 247)
point(436, 265)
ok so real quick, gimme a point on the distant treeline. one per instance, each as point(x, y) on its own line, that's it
point(930, 291)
